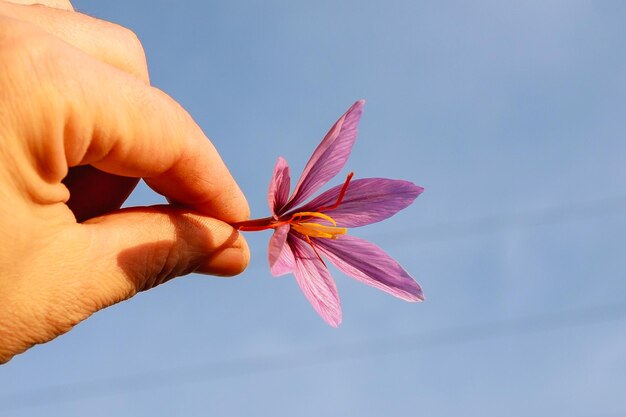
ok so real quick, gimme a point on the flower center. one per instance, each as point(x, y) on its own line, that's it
point(301, 221)
point(312, 229)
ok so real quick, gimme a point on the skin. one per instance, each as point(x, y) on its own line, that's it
point(79, 126)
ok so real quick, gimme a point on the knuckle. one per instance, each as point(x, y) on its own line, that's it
point(132, 51)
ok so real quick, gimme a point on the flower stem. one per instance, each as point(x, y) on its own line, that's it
point(255, 225)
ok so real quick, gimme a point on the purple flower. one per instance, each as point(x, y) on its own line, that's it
point(306, 233)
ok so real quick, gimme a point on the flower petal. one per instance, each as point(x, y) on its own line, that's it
point(279, 186)
point(366, 201)
point(280, 255)
point(329, 156)
point(315, 281)
point(369, 264)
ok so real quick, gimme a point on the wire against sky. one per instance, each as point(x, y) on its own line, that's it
point(316, 356)
point(614, 205)
point(608, 206)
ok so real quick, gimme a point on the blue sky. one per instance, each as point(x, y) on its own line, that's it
point(510, 114)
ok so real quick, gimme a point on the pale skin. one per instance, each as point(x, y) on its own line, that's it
point(79, 126)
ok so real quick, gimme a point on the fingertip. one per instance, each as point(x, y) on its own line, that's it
point(230, 206)
point(200, 179)
point(227, 262)
point(228, 259)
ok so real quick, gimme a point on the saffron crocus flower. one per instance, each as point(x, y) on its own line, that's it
point(307, 232)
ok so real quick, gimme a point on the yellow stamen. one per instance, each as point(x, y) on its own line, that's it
point(310, 229)
point(314, 214)
point(319, 230)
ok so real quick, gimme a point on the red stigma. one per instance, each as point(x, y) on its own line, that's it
point(341, 194)
point(271, 223)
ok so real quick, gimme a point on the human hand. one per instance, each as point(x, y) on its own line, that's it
point(79, 125)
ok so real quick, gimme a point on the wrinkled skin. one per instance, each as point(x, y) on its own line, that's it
point(79, 125)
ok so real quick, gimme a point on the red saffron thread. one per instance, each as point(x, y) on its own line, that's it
point(270, 223)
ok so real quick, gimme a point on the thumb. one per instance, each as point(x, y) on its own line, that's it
point(136, 249)
point(107, 260)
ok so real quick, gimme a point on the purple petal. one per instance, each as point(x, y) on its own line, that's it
point(366, 201)
point(280, 255)
point(329, 156)
point(279, 186)
point(368, 263)
point(316, 282)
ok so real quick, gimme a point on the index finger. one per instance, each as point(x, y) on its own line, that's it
point(102, 116)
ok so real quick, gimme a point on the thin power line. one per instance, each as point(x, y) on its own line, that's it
point(329, 354)
point(615, 205)
point(442, 232)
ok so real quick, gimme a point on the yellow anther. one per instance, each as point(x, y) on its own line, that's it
point(319, 230)
point(310, 229)
point(314, 214)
